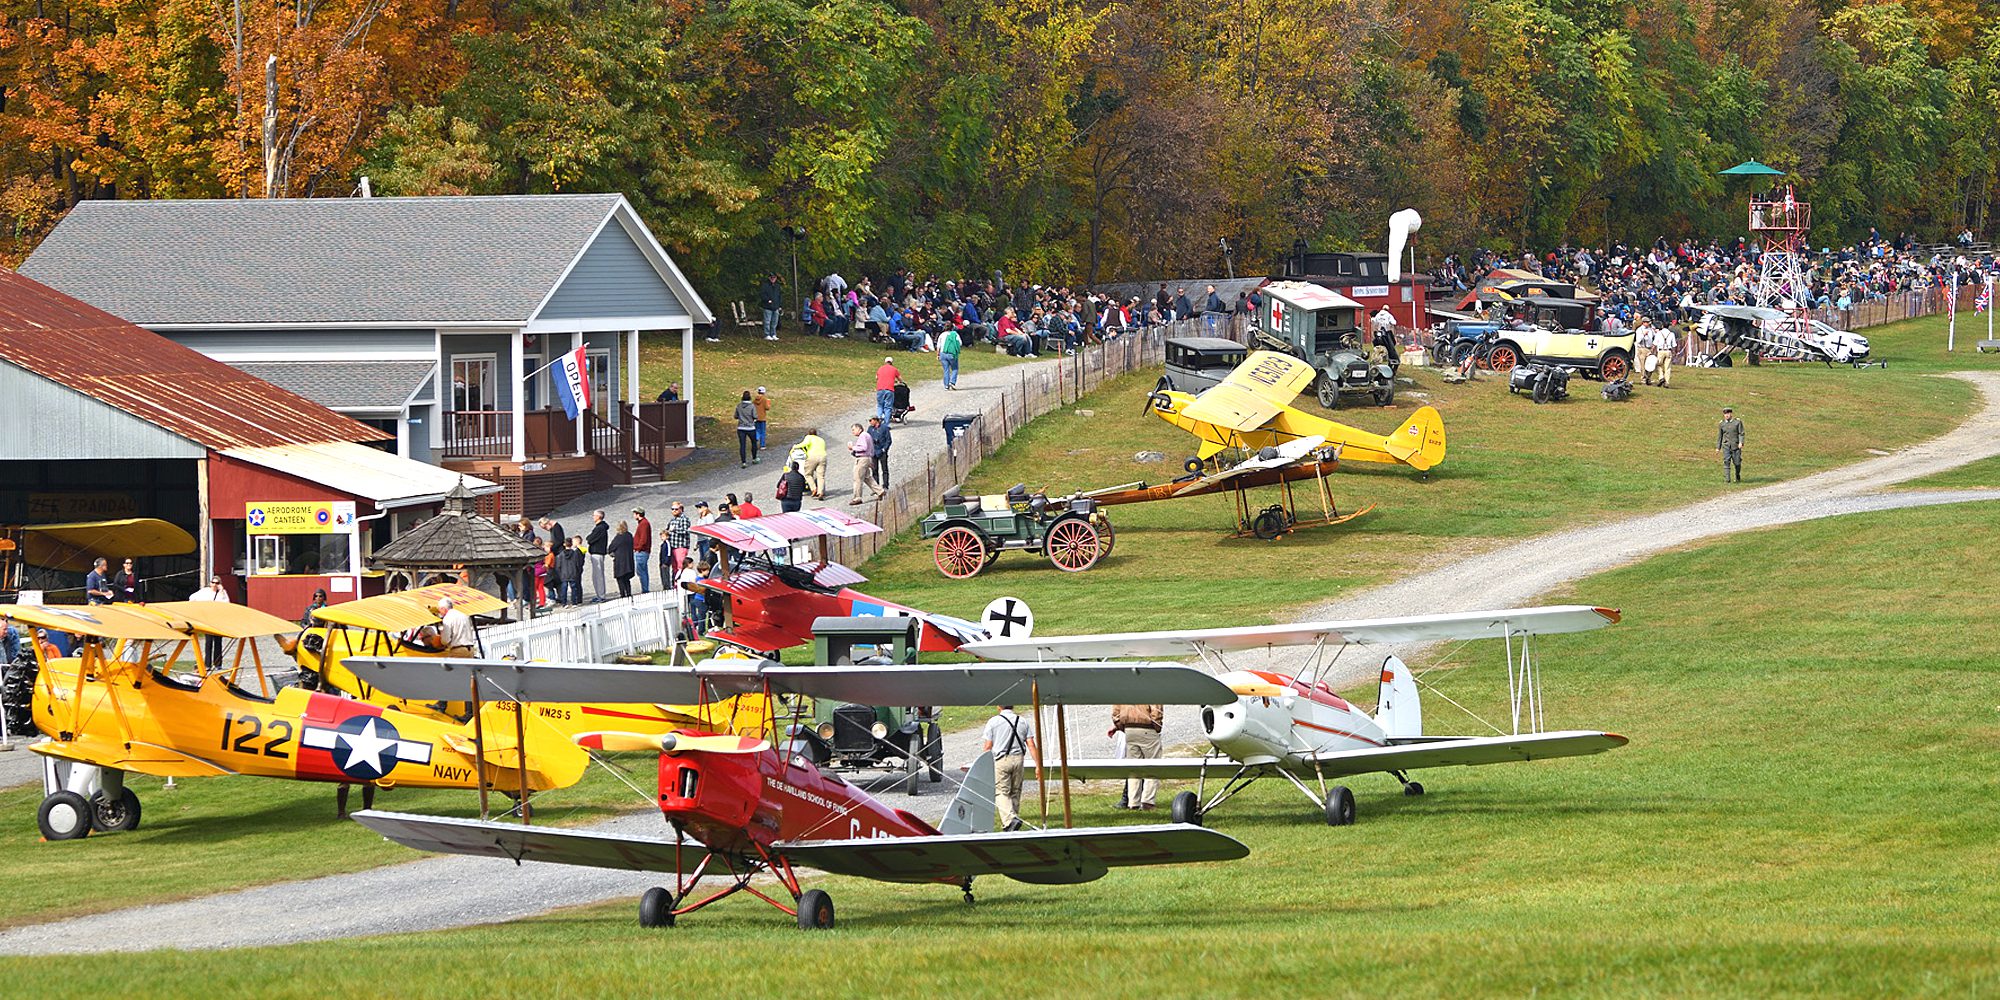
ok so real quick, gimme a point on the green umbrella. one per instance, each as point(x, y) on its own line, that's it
point(1751, 168)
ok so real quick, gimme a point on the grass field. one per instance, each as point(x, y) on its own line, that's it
point(1513, 470)
point(1805, 809)
point(1981, 475)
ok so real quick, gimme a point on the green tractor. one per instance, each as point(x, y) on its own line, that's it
point(849, 737)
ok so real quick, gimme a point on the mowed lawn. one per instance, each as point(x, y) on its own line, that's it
point(1513, 470)
point(1805, 809)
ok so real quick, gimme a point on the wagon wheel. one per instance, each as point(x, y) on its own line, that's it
point(1614, 367)
point(1503, 358)
point(961, 552)
point(1073, 545)
point(1106, 535)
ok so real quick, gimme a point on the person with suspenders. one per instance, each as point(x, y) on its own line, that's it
point(1010, 739)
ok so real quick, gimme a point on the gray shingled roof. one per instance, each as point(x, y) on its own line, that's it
point(422, 261)
point(345, 385)
point(458, 536)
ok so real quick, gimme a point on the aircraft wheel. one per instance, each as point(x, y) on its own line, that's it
point(656, 908)
point(1268, 525)
point(1413, 789)
point(1339, 806)
point(114, 816)
point(1186, 808)
point(64, 816)
point(1192, 466)
point(815, 911)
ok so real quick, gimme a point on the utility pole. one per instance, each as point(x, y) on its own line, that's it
point(270, 125)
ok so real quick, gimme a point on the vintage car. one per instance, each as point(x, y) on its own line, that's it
point(1196, 363)
point(971, 532)
point(1560, 332)
point(1324, 328)
point(845, 736)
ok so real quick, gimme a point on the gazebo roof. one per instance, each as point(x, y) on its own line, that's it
point(458, 536)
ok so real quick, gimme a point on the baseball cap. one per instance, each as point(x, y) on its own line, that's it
point(761, 389)
point(641, 511)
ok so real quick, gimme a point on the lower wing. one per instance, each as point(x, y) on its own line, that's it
point(481, 838)
point(145, 758)
point(1141, 767)
point(1450, 751)
point(1048, 857)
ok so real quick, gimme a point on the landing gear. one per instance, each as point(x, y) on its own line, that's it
point(114, 812)
point(967, 886)
point(1339, 806)
point(64, 815)
point(816, 910)
point(1410, 788)
point(656, 908)
point(1186, 808)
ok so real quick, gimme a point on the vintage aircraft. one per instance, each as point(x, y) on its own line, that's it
point(52, 551)
point(1296, 727)
point(126, 703)
point(399, 624)
point(1280, 466)
point(1251, 410)
point(775, 577)
point(740, 808)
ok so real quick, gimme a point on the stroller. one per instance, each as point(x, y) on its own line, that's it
point(900, 409)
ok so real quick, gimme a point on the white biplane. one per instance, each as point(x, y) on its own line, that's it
point(1295, 726)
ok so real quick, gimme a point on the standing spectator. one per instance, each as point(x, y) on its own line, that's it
point(542, 573)
point(526, 530)
point(812, 462)
point(862, 447)
point(1141, 726)
point(1182, 307)
point(1010, 739)
point(1729, 441)
point(704, 545)
point(621, 558)
point(572, 571)
point(878, 431)
point(772, 297)
point(597, 545)
point(126, 584)
point(1665, 343)
point(674, 551)
point(211, 645)
point(792, 489)
point(947, 350)
point(746, 431)
point(885, 387)
point(555, 533)
point(748, 508)
point(97, 583)
point(763, 404)
point(1642, 348)
point(670, 394)
point(642, 549)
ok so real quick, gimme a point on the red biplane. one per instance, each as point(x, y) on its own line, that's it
point(776, 577)
point(740, 808)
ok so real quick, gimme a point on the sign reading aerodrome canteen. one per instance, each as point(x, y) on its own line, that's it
point(298, 517)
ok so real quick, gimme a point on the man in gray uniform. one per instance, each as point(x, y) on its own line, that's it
point(1729, 441)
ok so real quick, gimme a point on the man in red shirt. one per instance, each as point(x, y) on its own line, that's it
point(642, 550)
point(885, 387)
point(746, 509)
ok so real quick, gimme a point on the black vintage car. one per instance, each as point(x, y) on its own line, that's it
point(845, 736)
point(1196, 363)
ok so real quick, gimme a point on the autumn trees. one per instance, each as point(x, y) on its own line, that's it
point(1052, 139)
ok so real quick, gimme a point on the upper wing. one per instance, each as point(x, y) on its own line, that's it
point(103, 621)
point(1288, 453)
point(234, 621)
point(408, 609)
point(1414, 628)
point(1257, 390)
point(435, 678)
point(72, 546)
point(1056, 856)
point(481, 838)
point(1450, 751)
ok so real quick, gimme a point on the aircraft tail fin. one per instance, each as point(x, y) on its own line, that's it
point(972, 810)
point(1419, 443)
point(1399, 711)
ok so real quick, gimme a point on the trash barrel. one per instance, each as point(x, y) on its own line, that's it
point(955, 424)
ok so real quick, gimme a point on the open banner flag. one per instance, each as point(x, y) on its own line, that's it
point(573, 383)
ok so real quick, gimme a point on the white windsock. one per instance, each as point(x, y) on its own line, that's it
point(1401, 225)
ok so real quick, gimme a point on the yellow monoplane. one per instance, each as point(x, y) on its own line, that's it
point(129, 701)
point(398, 624)
point(1251, 409)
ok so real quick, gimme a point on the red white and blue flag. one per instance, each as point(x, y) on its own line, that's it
point(573, 383)
point(1985, 299)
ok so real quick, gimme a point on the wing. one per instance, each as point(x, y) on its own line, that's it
point(234, 621)
point(145, 758)
point(103, 621)
point(71, 547)
point(1102, 768)
point(1288, 453)
point(1415, 628)
point(1451, 751)
point(1050, 857)
point(435, 678)
point(1257, 390)
point(480, 838)
point(408, 609)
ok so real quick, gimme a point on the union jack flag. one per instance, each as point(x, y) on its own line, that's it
point(1985, 299)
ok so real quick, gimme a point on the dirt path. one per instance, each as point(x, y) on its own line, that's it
point(443, 892)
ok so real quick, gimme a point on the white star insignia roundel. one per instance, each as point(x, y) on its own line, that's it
point(367, 746)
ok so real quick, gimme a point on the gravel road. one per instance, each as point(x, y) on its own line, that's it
point(438, 892)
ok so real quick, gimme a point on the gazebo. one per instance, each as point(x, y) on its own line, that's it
point(459, 541)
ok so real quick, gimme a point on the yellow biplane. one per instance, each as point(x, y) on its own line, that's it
point(129, 701)
point(399, 624)
point(1251, 409)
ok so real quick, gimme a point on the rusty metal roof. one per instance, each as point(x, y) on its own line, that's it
point(152, 378)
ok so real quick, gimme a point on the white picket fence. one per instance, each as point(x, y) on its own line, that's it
point(593, 633)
